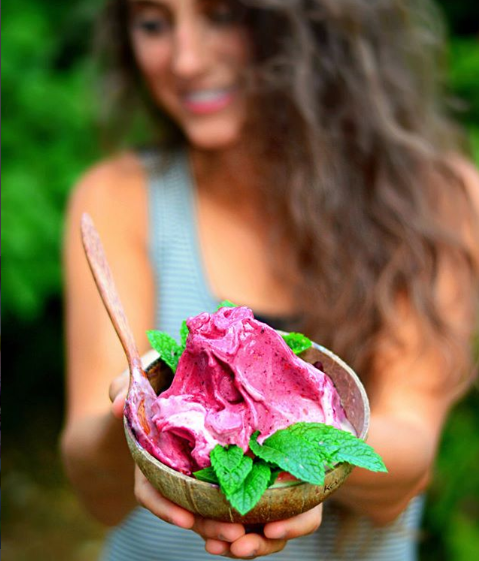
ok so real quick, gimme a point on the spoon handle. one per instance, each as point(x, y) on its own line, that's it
point(104, 281)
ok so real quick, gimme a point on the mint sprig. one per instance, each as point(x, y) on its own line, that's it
point(297, 342)
point(298, 448)
point(207, 474)
point(166, 347)
point(248, 494)
point(339, 446)
point(184, 332)
point(293, 454)
point(304, 450)
point(231, 467)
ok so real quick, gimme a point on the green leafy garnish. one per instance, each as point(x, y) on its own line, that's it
point(207, 474)
point(300, 447)
point(166, 347)
point(304, 450)
point(231, 467)
point(294, 454)
point(184, 331)
point(339, 446)
point(226, 304)
point(251, 490)
point(297, 342)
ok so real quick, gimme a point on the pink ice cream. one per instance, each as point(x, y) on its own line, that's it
point(236, 376)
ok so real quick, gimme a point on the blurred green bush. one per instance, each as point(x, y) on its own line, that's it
point(47, 141)
point(49, 138)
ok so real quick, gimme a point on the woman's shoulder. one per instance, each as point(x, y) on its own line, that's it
point(119, 176)
point(125, 175)
point(113, 192)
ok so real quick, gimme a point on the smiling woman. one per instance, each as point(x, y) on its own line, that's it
point(308, 171)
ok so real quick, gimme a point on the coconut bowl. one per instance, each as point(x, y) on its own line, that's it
point(281, 501)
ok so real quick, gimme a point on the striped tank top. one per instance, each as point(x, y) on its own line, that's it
point(183, 291)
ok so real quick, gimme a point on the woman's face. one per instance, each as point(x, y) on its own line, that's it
point(193, 55)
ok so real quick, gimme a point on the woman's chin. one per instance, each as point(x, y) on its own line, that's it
point(217, 138)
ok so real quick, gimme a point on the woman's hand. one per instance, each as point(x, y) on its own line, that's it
point(224, 538)
point(221, 538)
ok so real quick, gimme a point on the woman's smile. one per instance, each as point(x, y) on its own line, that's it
point(206, 101)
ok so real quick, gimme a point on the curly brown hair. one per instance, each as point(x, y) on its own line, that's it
point(358, 155)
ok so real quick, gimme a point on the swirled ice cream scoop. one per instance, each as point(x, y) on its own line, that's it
point(236, 376)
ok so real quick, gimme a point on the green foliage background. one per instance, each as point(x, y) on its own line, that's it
point(49, 139)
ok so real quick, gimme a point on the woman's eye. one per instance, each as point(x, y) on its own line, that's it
point(225, 13)
point(151, 26)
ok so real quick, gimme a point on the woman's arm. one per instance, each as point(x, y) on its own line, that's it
point(94, 449)
point(412, 387)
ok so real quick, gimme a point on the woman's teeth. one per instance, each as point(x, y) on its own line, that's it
point(206, 95)
point(208, 101)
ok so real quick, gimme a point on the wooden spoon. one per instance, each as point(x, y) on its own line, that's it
point(141, 396)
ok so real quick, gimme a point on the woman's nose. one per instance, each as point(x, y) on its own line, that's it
point(189, 51)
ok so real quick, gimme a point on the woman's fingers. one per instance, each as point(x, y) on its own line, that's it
point(117, 393)
point(255, 545)
point(155, 502)
point(247, 547)
point(222, 531)
point(217, 547)
point(301, 525)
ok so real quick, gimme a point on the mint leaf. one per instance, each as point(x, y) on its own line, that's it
point(297, 342)
point(248, 494)
point(184, 331)
point(339, 445)
point(207, 474)
point(231, 467)
point(293, 454)
point(166, 346)
point(303, 449)
point(361, 455)
point(226, 304)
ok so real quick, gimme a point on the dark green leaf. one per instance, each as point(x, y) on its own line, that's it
point(184, 331)
point(247, 495)
point(293, 454)
point(339, 446)
point(207, 474)
point(231, 467)
point(166, 346)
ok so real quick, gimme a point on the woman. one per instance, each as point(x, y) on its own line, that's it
point(307, 170)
